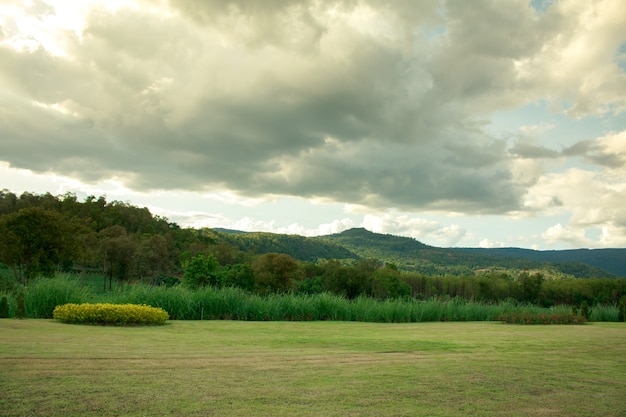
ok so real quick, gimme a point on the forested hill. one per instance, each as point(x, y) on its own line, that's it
point(299, 247)
point(42, 233)
point(610, 260)
point(410, 254)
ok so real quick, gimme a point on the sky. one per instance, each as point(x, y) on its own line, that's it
point(458, 123)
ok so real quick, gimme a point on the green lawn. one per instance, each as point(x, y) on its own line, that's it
point(236, 368)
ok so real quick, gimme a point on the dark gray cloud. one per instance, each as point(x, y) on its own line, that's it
point(527, 150)
point(373, 103)
point(597, 153)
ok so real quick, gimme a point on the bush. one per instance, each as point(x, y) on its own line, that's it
point(621, 313)
point(116, 314)
point(541, 318)
point(4, 308)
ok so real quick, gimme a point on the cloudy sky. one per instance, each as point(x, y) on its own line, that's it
point(459, 123)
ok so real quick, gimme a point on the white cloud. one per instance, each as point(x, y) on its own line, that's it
point(381, 106)
point(487, 244)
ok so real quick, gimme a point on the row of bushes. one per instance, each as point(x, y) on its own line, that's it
point(40, 299)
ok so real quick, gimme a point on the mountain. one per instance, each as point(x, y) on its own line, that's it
point(610, 260)
point(410, 254)
point(298, 247)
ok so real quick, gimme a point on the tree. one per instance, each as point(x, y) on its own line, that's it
point(116, 249)
point(152, 257)
point(34, 241)
point(200, 271)
point(349, 281)
point(387, 283)
point(276, 272)
point(531, 286)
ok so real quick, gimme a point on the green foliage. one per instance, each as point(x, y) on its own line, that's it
point(230, 303)
point(347, 281)
point(34, 241)
point(42, 296)
point(20, 311)
point(605, 313)
point(239, 275)
point(298, 247)
point(585, 311)
point(200, 271)
point(4, 307)
point(530, 286)
point(276, 272)
point(387, 283)
point(412, 255)
point(111, 314)
point(622, 309)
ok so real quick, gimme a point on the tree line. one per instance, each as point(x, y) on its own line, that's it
point(43, 234)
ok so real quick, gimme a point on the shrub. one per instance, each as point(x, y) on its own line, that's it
point(20, 311)
point(116, 314)
point(585, 311)
point(621, 313)
point(542, 318)
point(4, 308)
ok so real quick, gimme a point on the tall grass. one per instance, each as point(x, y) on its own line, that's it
point(211, 303)
point(41, 297)
point(604, 313)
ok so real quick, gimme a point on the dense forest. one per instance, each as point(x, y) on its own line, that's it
point(41, 235)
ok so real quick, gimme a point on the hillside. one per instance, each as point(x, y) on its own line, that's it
point(298, 247)
point(413, 255)
point(610, 260)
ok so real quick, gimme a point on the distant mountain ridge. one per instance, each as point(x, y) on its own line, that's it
point(611, 260)
point(412, 255)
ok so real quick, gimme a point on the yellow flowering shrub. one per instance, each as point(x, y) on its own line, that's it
point(117, 314)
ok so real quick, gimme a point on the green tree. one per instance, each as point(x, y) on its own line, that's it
point(349, 281)
point(202, 270)
point(117, 250)
point(388, 283)
point(35, 241)
point(276, 272)
point(239, 275)
point(152, 257)
point(531, 286)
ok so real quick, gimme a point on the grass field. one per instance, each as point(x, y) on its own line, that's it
point(237, 368)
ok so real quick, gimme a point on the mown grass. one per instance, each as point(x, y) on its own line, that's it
point(240, 368)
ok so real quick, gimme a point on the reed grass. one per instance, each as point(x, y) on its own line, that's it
point(45, 294)
point(604, 313)
point(231, 303)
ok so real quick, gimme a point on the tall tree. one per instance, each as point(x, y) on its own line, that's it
point(276, 272)
point(152, 257)
point(117, 249)
point(35, 241)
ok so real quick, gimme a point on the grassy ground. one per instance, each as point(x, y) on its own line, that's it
point(236, 368)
